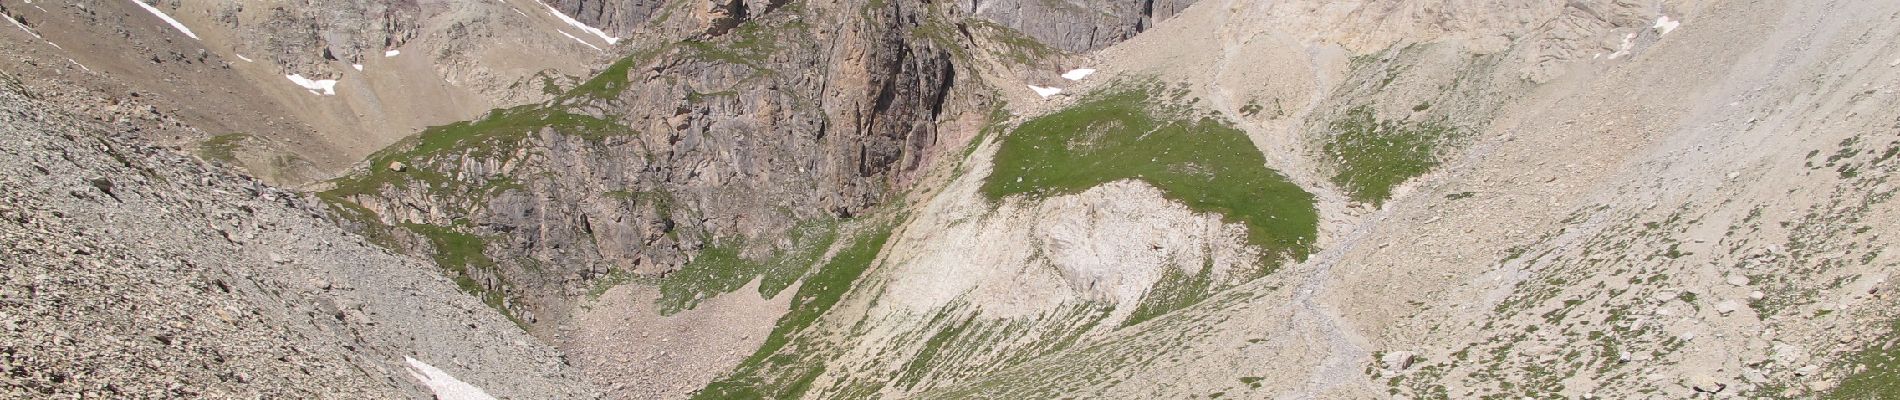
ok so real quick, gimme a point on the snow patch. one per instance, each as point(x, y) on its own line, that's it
point(445, 386)
point(359, 67)
point(582, 42)
point(246, 59)
point(392, 53)
point(1629, 42)
point(577, 24)
point(168, 19)
point(1664, 25)
point(326, 87)
point(1078, 73)
point(1045, 92)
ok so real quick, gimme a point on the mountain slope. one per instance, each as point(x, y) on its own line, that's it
point(240, 74)
point(1025, 199)
point(133, 271)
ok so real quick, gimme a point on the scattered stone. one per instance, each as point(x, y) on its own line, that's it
point(1398, 360)
point(1704, 383)
point(1810, 369)
point(1665, 295)
point(1754, 376)
point(1821, 385)
point(398, 166)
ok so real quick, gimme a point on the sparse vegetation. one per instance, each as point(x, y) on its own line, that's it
point(487, 136)
point(462, 255)
point(772, 373)
point(1176, 289)
point(1876, 371)
point(222, 148)
point(721, 269)
point(1375, 155)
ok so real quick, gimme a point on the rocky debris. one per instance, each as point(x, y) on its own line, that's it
point(137, 272)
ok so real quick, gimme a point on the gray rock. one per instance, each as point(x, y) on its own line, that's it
point(1398, 360)
point(1076, 25)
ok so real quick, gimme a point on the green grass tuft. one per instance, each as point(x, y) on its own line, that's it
point(720, 269)
point(500, 131)
point(772, 372)
point(222, 148)
point(460, 254)
point(1130, 134)
point(1177, 289)
point(1376, 155)
point(1881, 378)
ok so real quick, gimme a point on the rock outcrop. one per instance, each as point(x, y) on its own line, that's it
point(705, 142)
point(1076, 25)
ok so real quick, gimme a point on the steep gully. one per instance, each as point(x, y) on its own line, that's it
point(1312, 320)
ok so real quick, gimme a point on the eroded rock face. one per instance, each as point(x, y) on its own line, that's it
point(311, 38)
point(793, 117)
point(1076, 25)
point(617, 16)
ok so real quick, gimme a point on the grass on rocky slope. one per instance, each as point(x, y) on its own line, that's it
point(721, 269)
point(1129, 133)
point(775, 372)
point(222, 148)
point(461, 254)
point(1375, 155)
point(1881, 378)
point(493, 134)
point(1177, 289)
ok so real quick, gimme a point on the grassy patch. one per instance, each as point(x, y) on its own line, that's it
point(1881, 378)
point(1010, 44)
point(771, 372)
point(919, 366)
point(222, 148)
point(497, 133)
point(459, 254)
point(1177, 289)
point(1376, 155)
point(362, 220)
point(720, 269)
point(750, 44)
point(1129, 133)
point(611, 81)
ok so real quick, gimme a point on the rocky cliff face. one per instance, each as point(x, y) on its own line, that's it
point(702, 143)
point(318, 40)
point(1076, 25)
point(618, 16)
